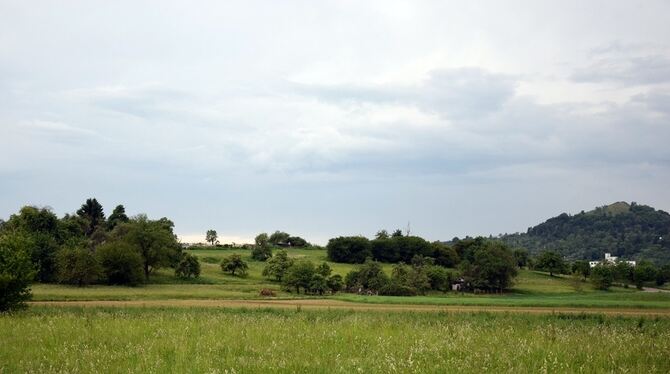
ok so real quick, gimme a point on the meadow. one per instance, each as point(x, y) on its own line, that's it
point(47, 339)
point(531, 288)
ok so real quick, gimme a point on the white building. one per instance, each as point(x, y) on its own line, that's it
point(609, 259)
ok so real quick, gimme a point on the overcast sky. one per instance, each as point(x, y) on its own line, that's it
point(335, 118)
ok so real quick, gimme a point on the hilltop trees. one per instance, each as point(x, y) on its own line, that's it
point(118, 216)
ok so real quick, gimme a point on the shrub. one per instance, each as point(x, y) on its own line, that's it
point(16, 271)
point(187, 267)
point(76, 265)
point(121, 263)
point(335, 283)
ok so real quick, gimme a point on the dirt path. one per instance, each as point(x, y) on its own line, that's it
point(325, 304)
point(652, 289)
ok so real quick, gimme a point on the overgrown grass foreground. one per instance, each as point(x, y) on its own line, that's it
point(43, 340)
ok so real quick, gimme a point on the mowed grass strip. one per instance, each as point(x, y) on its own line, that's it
point(164, 340)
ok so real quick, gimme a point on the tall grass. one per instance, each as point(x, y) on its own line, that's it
point(204, 341)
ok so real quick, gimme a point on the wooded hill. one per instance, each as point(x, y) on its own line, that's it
point(631, 231)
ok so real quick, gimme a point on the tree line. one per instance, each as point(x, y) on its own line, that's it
point(85, 248)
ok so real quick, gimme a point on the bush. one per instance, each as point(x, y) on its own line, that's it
point(278, 265)
point(350, 249)
point(335, 283)
point(77, 266)
point(233, 264)
point(439, 278)
point(187, 267)
point(370, 276)
point(121, 263)
point(16, 271)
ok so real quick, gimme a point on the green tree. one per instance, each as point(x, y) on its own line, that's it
point(92, 211)
point(551, 262)
point(188, 267)
point(16, 270)
point(644, 272)
point(279, 238)
point(77, 265)
point(153, 240)
point(296, 241)
point(369, 276)
point(493, 266)
point(118, 216)
point(262, 250)
point(351, 249)
point(601, 277)
point(299, 275)
point(121, 263)
point(318, 284)
point(42, 228)
point(324, 269)
point(397, 233)
point(521, 257)
point(211, 237)
point(382, 234)
point(234, 264)
point(445, 255)
point(439, 278)
point(581, 267)
point(335, 283)
point(278, 265)
point(623, 272)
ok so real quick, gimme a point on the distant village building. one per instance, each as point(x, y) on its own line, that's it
point(609, 259)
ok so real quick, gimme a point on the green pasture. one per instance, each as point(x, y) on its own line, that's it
point(173, 340)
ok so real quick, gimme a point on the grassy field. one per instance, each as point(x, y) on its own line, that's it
point(530, 289)
point(239, 341)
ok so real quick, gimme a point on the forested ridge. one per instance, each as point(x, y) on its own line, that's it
point(631, 231)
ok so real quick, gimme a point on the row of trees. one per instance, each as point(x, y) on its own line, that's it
point(86, 247)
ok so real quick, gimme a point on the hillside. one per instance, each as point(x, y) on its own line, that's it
point(631, 231)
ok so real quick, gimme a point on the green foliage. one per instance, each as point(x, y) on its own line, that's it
point(602, 277)
point(492, 268)
point(121, 263)
point(278, 265)
point(296, 241)
point(440, 278)
point(551, 262)
point(153, 240)
point(445, 255)
point(369, 277)
point(42, 228)
point(628, 231)
point(92, 212)
point(118, 216)
point(623, 272)
point(262, 250)
point(234, 264)
point(77, 265)
point(188, 267)
point(16, 270)
point(644, 272)
point(581, 267)
point(324, 269)
point(300, 275)
point(211, 236)
point(335, 283)
point(521, 257)
point(279, 238)
point(349, 249)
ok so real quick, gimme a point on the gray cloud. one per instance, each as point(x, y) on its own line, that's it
point(453, 93)
point(635, 70)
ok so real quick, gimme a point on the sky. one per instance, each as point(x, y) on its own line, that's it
point(329, 118)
